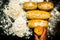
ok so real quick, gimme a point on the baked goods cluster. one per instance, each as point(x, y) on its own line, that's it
point(38, 15)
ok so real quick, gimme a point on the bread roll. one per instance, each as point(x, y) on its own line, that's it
point(29, 5)
point(35, 23)
point(45, 5)
point(38, 30)
point(36, 14)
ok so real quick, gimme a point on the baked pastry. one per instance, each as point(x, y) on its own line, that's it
point(29, 5)
point(37, 14)
point(46, 5)
point(38, 30)
point(35, 23)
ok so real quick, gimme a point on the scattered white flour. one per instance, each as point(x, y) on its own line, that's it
point(19, 27)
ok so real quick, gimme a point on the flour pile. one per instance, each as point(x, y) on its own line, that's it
point(15, 11)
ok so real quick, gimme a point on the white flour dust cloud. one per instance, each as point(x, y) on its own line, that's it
point(19, 26)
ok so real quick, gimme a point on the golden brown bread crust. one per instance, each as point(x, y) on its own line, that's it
point(35, 23)
point(38, 30)
point(29, 5)
point(45, 5)
point(37, 14)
